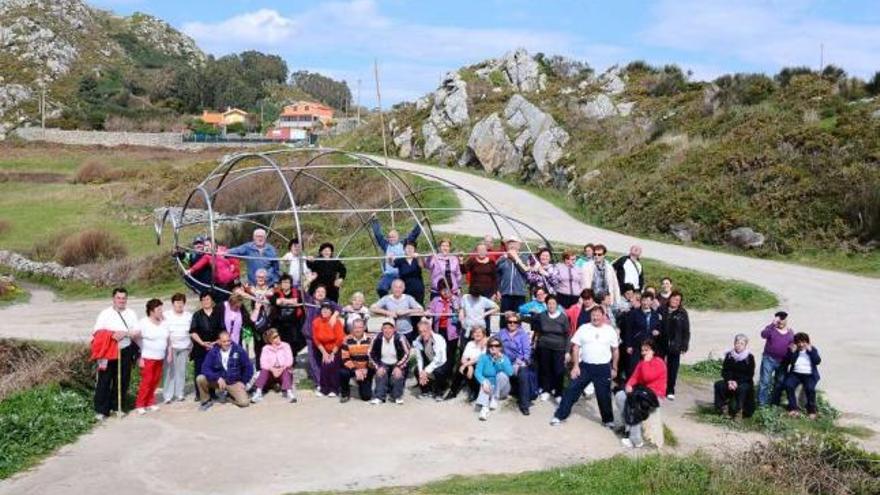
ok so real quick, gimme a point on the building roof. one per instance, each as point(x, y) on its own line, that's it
point(212, 117)
point(235, 110)
point(299, 108)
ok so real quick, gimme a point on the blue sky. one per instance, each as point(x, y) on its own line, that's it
point(416, 41)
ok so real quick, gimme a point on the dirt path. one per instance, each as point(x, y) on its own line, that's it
point(319, 444)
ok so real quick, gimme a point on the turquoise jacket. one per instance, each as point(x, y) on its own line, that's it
point(487, 368)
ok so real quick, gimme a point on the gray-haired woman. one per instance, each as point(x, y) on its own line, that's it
point(736, 387)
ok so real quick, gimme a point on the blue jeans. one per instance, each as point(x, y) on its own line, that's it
point(770, 381)
point(385, 284)
point(809, 385)
point(600, 376)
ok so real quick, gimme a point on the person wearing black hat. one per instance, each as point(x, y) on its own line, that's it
point(778, 336)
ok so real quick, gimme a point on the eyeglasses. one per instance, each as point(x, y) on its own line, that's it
point(495, 345)
point(513, 322)
point(599, 255)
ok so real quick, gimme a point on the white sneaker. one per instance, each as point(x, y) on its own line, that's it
point(373, 402)
point(545, 397)
point(181, 399)
point(626, 442)
point(484, 413)
point(100, 417)
point(559, 400)
point(141, 411)
point(555, 421)
point(166, 401)
point(318, 393)
point(670, 397)
point(590, 391)
point(257, 397)
point(331, 394)
point(438, 398)
point(399, 402)
point(153, 408)
point(493, 403)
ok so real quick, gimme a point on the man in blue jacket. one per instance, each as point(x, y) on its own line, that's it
point(392, 248)
point(228, 369)
point(511, 269)
point(639, 324)
point(258, 254)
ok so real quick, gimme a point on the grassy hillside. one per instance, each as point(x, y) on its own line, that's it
point(795, 157)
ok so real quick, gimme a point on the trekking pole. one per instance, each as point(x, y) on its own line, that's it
point(118, 381)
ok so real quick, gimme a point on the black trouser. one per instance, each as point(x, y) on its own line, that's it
point(673, 361)
point(566, 301)
point(105, 388)
point(520, 383)
point(451, 353)
point(365, 386)
point(510, 303)
point(741, 398)
point(551, 371)
point(436, 380)
point(809, 385)
point(600, 376)
point(458, 380)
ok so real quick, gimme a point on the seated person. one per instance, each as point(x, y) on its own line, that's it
point(399, 307)
point(389, 356)
point(430, 349)
point(227, 369)
point(276, 366)
point(650, 374)
point(327, 335)
point(802, 366)
point(356, 363)
point(464, 372)
point(736, 387)
point(493, 374)
point(518, 348)
point(356, 310)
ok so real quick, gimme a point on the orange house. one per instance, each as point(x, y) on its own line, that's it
point(305, 114)
point(230, 116)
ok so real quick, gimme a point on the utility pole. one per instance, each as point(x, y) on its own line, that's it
point(359, 103)
point(43, 107)
point(821, 56)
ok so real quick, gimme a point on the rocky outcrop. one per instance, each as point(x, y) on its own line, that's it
point(684, 231)
point(433, 142)
point(22, 264)
point(517, 68)
point(450, 103)
point(404, 143)
point(533, 127)
point(711, 99)
point(164, 38)
point(599, 107)
point(490, 146)
point(746, 238)
point(12, 96)
point(612, 81)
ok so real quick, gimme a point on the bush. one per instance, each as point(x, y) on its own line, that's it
point(787, 73)
point(95, 172)
point(89, 246)
point(873, 86)
point(745, 89)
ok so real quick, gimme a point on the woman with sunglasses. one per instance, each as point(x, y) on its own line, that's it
point(493, 373)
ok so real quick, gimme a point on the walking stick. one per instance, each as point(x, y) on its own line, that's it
point(118, 382)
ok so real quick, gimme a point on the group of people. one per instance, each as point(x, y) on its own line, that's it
point(586, 317)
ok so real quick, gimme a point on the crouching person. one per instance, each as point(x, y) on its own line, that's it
point(493, 374)
point(641, 395)
point(356, 363)
point(736, 387)
point(227, 369)
point(389, 355)
point(431, 370)
point(276, 366)
point(802, 364)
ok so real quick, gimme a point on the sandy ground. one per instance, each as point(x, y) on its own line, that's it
point(276, 447)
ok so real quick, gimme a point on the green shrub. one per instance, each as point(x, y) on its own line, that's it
point(36, 422)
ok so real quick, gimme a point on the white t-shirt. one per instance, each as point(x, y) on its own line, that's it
point(472, 352)
point(802, 363)
point(595, 343)
point(294, 263)
point(110, 319)
point(154, 339)
point(224, 357)
point(631, 271)
point(178, 328)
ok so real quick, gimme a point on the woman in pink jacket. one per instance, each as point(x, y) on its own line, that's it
point(276, 365)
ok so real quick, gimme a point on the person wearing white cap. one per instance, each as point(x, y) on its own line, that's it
point(512, 270)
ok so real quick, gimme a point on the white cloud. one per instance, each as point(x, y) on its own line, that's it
point(412, 56)
point(766, 35)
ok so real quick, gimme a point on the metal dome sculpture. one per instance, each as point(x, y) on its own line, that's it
point(318, 195)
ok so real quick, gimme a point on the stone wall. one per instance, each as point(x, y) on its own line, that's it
point(173, 140)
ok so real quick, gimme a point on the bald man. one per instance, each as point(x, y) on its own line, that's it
point(629, 269)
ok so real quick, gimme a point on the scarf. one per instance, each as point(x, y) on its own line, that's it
point(739, 356)
point(599, 283)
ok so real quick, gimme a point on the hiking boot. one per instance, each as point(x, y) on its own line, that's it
point(524, 411)
point(206, 405)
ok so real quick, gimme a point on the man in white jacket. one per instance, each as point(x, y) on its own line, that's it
point(431, 370)
point(599, 275)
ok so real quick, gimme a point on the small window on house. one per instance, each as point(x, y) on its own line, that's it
point(306, 108)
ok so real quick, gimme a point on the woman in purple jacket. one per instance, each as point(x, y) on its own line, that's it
point(778, 336)
point(444, 266)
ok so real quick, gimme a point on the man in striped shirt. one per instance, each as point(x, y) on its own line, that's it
point(356, 363)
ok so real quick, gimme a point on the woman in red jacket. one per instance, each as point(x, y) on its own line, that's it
point(650, 373)
point(328, 335)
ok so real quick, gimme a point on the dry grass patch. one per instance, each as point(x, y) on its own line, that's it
point(90, 246)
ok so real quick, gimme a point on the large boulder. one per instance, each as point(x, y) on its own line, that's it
point(534, 127)
point(746, 238)
point(522, 71)
point(599, 107)
point(403, 141)
point(711, 99)
point(433, 142)
point(684, 231)
point(612, 81)
point(450, 103)
point(490, 145)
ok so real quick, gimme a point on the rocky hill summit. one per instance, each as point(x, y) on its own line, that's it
point(54, 44)
point(775, 164)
